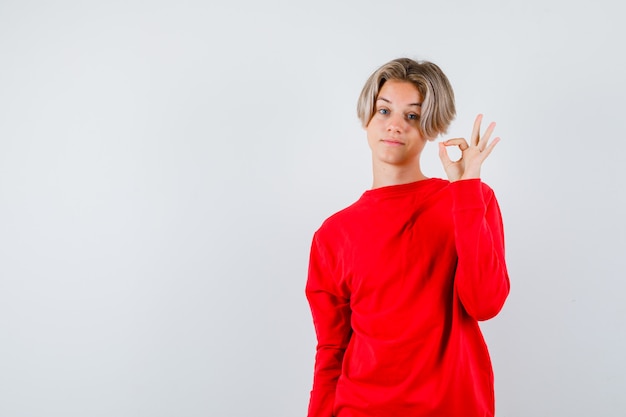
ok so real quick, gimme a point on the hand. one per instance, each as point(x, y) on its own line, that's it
point(472, 155)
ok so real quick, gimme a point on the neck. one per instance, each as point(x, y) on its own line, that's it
point(386, 175)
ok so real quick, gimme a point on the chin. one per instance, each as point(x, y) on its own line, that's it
point(395, 159)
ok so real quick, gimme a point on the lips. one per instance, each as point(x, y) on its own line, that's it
point(393, 142)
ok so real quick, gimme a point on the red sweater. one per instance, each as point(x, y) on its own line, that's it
point(397, 284)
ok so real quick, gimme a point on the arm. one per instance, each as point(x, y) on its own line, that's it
point(481, 280)
point(330, 307)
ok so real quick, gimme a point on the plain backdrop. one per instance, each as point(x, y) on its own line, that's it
point(164, 164)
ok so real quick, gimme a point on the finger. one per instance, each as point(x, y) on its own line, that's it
point(460, 142)
point(443, 154)
point(484, 140)
point(475, 138)
point(489, 148)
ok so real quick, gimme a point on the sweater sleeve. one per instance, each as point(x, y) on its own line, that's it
point(330, 308)
point(481, 280)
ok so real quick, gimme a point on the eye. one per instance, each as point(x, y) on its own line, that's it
point(412, 116)
point(383, 111)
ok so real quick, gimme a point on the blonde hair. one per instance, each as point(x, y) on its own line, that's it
point(438, 108)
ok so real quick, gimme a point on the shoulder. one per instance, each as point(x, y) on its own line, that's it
point(341, 218)
point(471, 189)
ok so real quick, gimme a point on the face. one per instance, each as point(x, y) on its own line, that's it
point(393, 134)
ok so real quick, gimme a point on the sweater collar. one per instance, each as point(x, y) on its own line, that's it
point(404, 189)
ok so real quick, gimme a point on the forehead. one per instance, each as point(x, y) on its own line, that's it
point(399, 92)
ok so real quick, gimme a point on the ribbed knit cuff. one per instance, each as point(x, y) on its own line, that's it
point(467, 194)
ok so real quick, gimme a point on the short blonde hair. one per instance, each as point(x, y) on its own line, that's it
point(438, 108)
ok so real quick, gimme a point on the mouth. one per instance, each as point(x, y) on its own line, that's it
point(392, 142)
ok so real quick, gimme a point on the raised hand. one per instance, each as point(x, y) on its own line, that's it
point(472, 155)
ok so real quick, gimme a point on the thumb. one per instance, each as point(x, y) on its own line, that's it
point(443, 154)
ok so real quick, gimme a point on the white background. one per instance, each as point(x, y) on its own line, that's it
point(164, 164)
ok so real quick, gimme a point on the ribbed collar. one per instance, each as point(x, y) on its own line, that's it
point(403, 189)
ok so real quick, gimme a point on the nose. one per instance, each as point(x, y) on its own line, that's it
point(395, 123)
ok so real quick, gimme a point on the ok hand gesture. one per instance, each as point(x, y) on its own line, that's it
point(472, 155)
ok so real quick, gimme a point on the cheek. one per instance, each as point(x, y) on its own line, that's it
point(417, 133)
point(375, 125)
point(370, 130)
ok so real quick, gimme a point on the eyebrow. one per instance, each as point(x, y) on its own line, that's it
point(388, 101)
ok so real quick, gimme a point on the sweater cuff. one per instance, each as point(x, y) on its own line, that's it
point(467, 194)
